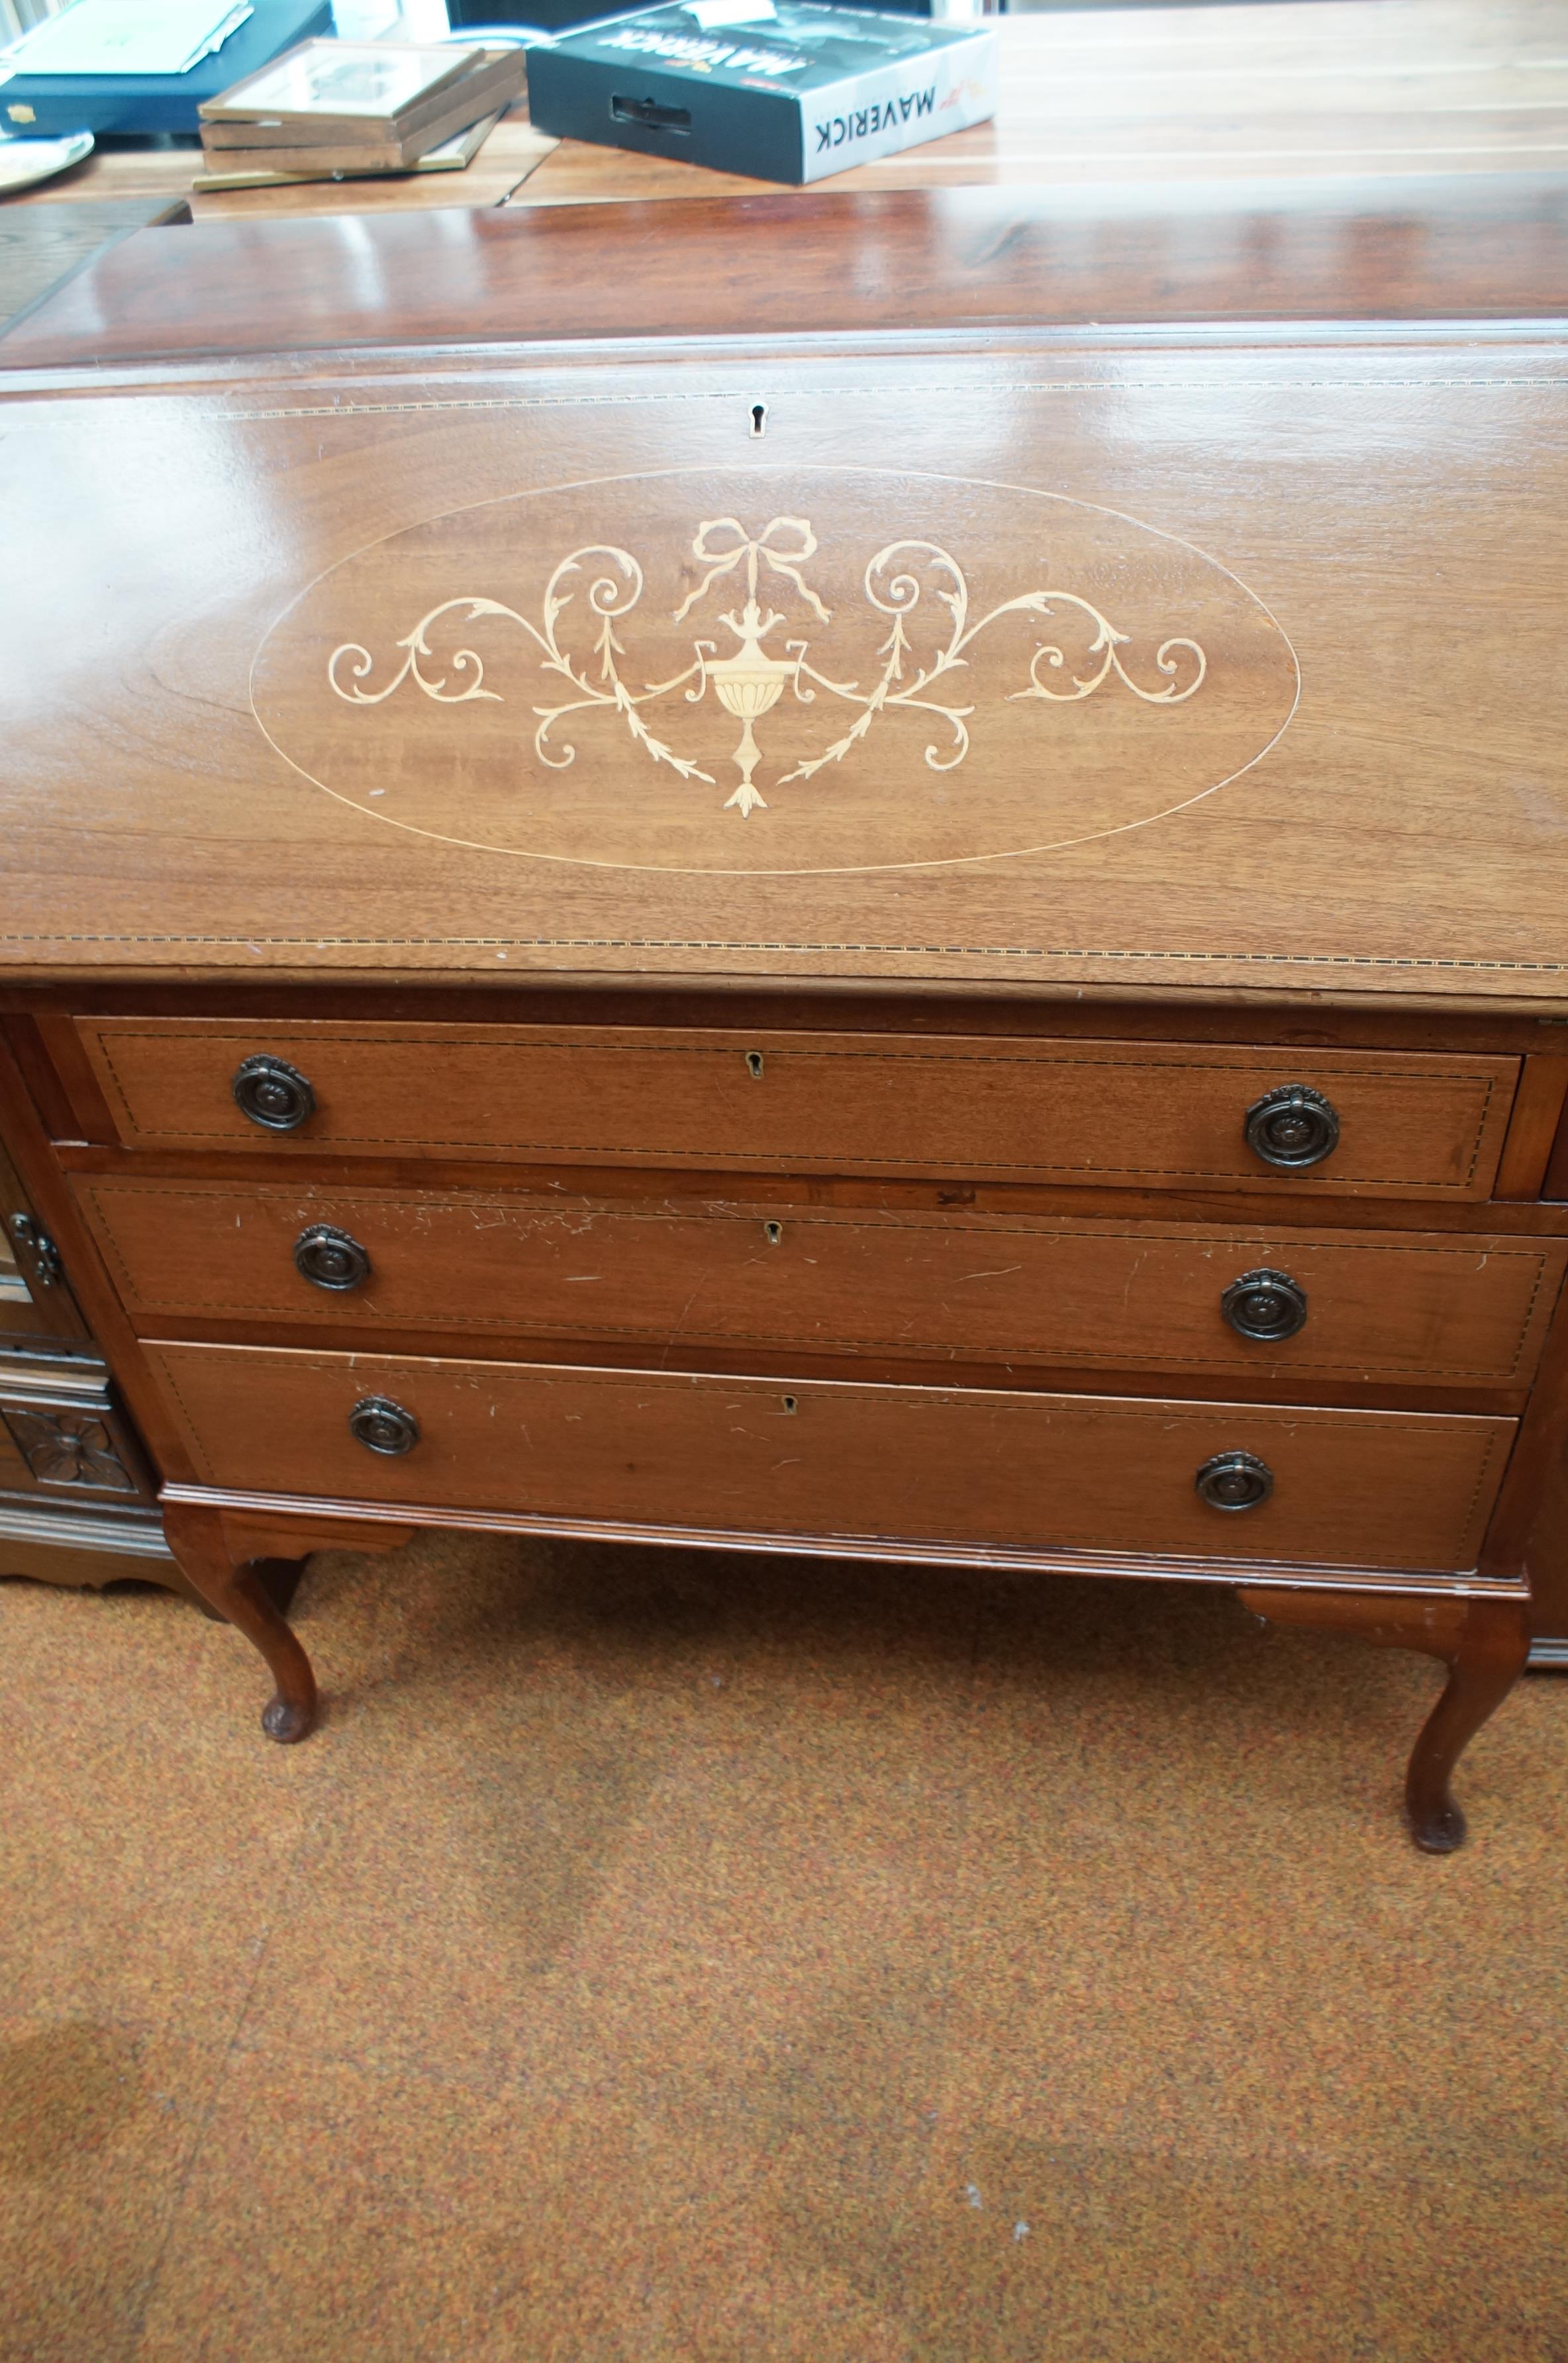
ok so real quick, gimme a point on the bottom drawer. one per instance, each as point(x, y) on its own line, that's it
point(754, 1458)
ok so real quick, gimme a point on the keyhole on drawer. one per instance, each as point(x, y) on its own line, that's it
point(759, 420)
point(773, 1233)
point(753, 1065)
point(790, 1405)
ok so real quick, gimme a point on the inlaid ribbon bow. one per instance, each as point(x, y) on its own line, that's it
point(783, 546)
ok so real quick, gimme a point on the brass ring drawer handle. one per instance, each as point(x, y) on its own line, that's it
point(1292, 1127)
point(272, 1093)
point(1234, 1481)
point(329, 1258)
point(1265, 1304)
point(382, 1426)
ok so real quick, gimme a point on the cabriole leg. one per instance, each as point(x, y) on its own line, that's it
point(1483, 1670)
point(196, 1538)
point(1482, 1642)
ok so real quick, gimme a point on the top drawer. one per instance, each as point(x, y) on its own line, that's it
point(985, 1108)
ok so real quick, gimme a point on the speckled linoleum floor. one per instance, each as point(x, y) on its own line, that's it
point(663, 1956)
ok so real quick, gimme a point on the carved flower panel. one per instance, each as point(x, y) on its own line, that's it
point(69, 1447)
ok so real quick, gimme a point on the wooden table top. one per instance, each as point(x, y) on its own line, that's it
point(1391, 89)
point(1302, 89)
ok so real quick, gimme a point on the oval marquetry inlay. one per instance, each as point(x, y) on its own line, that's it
point(775, 670)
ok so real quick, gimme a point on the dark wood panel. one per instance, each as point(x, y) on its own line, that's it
point(19, 1316)
point(915, 1008)
point(1532, 1127)
point(43, 244)
point(1422, 247)
point(16, 1477)
point(977, 1467)
point(1123, 1381)
point(1555, 1185)
point(979, 1289)
point(973, 1108)
point(1516, 1219)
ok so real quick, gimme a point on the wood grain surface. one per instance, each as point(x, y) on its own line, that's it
point(1377, 518)
point(1310, 88)
point(40, 246)
point(1158, 94)
point(776, 1274)
point(1494, 247)
point(761, 1457)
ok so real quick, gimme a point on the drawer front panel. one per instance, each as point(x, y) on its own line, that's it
point(1379, 1306)
point(1145, 1116)
point(752, 1457)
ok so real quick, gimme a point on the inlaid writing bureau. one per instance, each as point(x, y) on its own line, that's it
point(705, 873)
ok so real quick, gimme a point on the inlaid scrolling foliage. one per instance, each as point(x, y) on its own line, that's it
point(748, 682)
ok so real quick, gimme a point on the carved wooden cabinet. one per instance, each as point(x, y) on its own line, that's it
point(76, 1491)
point(646, 938)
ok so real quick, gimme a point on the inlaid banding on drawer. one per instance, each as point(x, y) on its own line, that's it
point(739, 1456)
point(1379, 1306)
point(1139, 1115)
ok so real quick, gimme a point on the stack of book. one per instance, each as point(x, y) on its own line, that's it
point(333, 110)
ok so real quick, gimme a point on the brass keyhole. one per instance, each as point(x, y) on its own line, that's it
point(773, 1233)
point(753, 1065)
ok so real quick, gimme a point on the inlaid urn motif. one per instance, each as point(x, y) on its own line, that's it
point(748, 685)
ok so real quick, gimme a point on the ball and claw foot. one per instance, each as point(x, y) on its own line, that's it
point(286, 1720)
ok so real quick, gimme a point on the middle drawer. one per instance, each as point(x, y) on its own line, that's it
point(1373, 1306)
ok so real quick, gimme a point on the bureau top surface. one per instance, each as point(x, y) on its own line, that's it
point(1194, 658)
point(1416, 245)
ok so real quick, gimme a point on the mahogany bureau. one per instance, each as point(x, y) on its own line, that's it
point(708, 873)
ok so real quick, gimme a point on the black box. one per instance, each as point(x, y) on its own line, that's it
point(555, 16)
point(795, 96)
